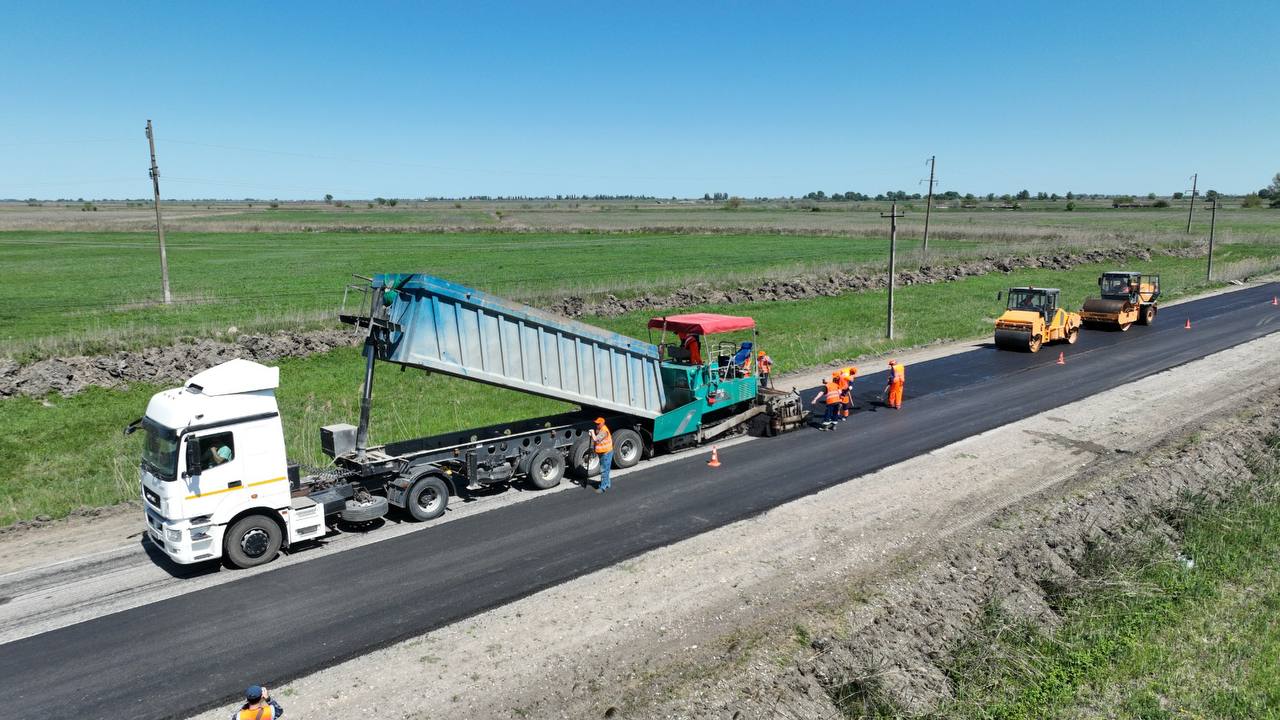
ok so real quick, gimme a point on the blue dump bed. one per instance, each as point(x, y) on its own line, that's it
point(455, 330)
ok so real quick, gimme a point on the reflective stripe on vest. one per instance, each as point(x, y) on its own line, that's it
point(605, 442)
point(833, 393)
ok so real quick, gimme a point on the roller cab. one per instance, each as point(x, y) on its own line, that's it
point(1033, 317)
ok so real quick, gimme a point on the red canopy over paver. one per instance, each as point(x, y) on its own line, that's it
point(702, 323)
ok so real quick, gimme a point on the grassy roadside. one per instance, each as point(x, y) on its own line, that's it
point(57, 454)
point(1149, 635)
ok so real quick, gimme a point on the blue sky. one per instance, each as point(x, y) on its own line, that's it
point(293, 100)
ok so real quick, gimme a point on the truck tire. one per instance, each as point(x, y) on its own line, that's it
point(627, 449)
point(357, 513)
point(251, 541)
point(427, 499)
point(546, 468)
point(583, 459)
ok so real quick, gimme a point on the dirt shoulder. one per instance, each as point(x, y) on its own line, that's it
point(710, 627)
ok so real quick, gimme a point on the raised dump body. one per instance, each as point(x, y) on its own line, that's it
point(456, 330)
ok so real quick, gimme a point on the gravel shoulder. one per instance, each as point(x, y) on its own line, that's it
point(677, 632)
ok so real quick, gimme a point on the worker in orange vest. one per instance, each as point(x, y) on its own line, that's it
point(690, 342)
point(830, 395)
point(602, 441)
point(766, 366)
point(844, 378)
point(258, 705)
point(893, 390)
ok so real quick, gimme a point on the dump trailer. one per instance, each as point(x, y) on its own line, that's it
point(1127, 297)
point(1032, 318)
point(217, 482)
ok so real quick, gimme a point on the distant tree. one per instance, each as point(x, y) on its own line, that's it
point(392, 202)
point(1119, 200)
point(1151, 196)
point(1070, 195)
point(1024, 195)
point(733, 203)
point(1211, 195)
point(1006, 198)
point(380, 200)
point(1274, 187)
point(328, 198)
point(1054, 197)
point(706, 196)
point(1252, 200)
point(1042, 196)
point(991, 197)
point(968, 197)
point(1177, 196)
point(1162, 203)
point(274, 204)
point(1071, 205)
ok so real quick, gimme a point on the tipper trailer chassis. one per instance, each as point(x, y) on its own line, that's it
point(216, 483)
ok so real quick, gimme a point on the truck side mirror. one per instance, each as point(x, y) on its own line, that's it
point(193, 458)
point(999, 296)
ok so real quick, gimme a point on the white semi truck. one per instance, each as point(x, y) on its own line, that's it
point(217, 484)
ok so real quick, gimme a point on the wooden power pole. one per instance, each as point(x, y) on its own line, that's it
point(1194, 179)
point(893, 254)
point(155, 184)
point(1213, 217)
point(928, 205)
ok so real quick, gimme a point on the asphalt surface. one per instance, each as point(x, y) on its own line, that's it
point(186, 654)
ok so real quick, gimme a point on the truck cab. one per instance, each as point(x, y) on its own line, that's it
point(213, 466)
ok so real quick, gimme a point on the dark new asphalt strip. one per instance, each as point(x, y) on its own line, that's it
point(185, 654)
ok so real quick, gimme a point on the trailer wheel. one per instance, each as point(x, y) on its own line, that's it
point(427, 499)
point(252, 541)
point(546, 468)
point(627, 448)
point(583, 459)
point(1148, 315)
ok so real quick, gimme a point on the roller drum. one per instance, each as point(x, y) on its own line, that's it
point(1013, 339)
point(1106, 307)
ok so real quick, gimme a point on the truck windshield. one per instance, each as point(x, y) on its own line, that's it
point(160, 450)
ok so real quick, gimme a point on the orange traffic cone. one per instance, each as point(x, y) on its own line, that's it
point(1188, 325)
point(715, 458)
point(1274, 300)
point(1062, 359)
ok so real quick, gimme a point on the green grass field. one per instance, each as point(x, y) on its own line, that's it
point(60, 453)
point(94, 292)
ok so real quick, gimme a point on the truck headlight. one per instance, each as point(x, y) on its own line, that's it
point(173, 535)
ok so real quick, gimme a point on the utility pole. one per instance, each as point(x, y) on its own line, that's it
point(893, 254)
point(1213, 216)
point(155, 183)
point(1191, 207)
point(928, 205)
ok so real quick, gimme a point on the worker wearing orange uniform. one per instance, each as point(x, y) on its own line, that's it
point(897, 379)
point(690, 343)
point(602, 443)
point(830, 395)
point(765, 364)
point(844, 378)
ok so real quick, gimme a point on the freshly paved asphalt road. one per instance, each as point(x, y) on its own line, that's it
point(189, 653)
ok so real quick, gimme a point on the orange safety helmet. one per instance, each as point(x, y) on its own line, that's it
point(761, 353)
point(893, 362)
point(600, 421)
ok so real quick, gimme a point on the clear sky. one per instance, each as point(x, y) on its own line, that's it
point(293, 100)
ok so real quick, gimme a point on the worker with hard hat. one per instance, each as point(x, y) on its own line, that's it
point(602, 443)
point(765, 364)
point(844, 378)
point(893, 389)
point(829, 394)
point(258, 705)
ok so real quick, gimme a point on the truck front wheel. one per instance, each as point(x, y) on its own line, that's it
point(427, 499)
point(252, 541)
